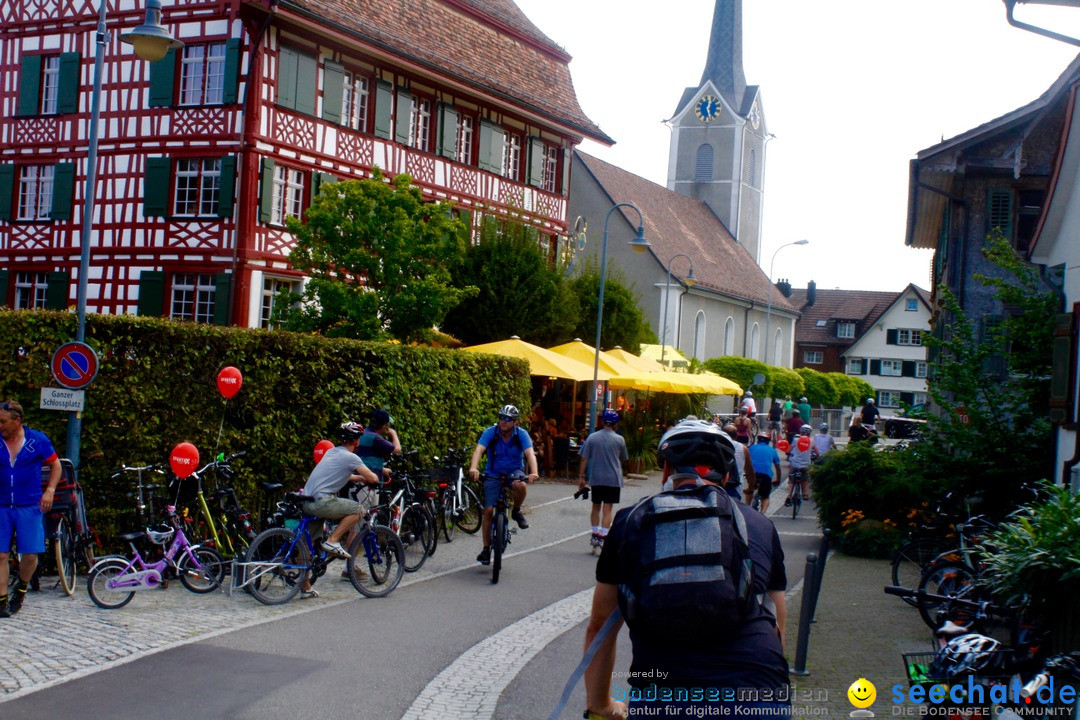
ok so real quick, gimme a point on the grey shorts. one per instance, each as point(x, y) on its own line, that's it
point(332, 507)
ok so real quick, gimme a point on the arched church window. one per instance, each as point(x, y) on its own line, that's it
point(703, 167)
point(751, 168)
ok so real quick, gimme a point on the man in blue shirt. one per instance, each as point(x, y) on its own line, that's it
point(22, 501)
point(766, 465)
point(507, 447)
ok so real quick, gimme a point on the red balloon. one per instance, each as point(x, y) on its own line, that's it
point(803, 443)
point(229, 381)
point(320, 449)
point(783, 445)
point(184, 459)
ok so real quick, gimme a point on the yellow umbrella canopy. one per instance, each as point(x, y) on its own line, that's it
point(639, 364)
point(587, 354)
point(673, 357)
point(676, 382)
point(541, 362)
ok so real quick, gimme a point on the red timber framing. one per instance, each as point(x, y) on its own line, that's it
point(200, 155)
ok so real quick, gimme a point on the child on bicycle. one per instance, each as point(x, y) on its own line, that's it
point(799, 466)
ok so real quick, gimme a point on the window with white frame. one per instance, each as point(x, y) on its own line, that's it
point(813, 357)
point(272, 289)
point(908, 337)
point(854, 366)
point(193, 297)
point(918, 398)
point(354, 102)
point(50, 84)
point(845, 329)
point(893, 368)
point(420, 123)
point(511, 162)
point(888, 398)
point(198, 186)
point(202, 74)
point(911, 305)
point(30, 290)
point(288, 194)
point(36, 192)
point(551, 168)
point(464, 142)
point(920, 369)
point(729, 336)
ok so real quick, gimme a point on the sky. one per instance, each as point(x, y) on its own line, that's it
point(851, 90)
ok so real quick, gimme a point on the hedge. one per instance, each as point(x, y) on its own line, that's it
point(156, 387)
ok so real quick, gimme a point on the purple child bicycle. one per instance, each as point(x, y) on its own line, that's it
point(114, 579)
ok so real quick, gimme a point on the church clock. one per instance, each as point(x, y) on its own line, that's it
point(707, 108)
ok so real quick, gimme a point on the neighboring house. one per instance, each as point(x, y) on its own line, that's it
point(203, 155)
point(875, 335)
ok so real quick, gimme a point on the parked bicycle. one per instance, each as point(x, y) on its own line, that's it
point(404, 514)
point(68, 528)
point(457, 504)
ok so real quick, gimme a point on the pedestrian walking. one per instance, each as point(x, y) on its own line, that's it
point(602, 455)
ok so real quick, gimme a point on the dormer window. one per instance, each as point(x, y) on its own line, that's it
point(845, 330)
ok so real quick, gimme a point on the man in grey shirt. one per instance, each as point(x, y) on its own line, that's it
point(603, 453)
point(340, 465)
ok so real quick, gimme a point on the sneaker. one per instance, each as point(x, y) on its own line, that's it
point(484, 558)
point(309, 594)
point(787, 503)
point(600, 542)
point(519, 519)
point(15, 602)
point(595, 542)
point(335, 549)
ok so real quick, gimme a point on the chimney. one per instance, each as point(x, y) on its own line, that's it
point(784, 287)
point(811, 293)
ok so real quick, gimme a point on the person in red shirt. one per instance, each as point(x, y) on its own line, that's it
point(793, 425)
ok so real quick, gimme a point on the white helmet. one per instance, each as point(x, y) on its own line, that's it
point(805, 430)
point(966, 654)
point(748, 394)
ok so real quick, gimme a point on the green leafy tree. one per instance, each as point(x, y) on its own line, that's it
point(624, 324)
point(785, 383)
point(380, 259)
point(852, 390)
point(820, 390)
point(740, 370)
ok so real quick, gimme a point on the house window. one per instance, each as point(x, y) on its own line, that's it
point(354, 102)
point(918, 398)
point(920, 369)
point(909, 337)
point(202, 74)
point(420, 123)
point(854, 366)
point(892, 368)
point(198, 185)
point(888, 398)
point(911, 305)
point(464, 141)
point(551, 168)
point(511, 161)
point(50, 84)
point(30, 290)
point(813, 357)
point(845, 329)
point(288, 194)
point(193, 297)
point(729, 336)
point(36, 192)
point(703, 164)
point(1027, 216)
point(272, 289)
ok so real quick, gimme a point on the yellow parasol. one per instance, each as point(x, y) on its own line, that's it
point(587, 354)
point(639, 364)
point(676, 382)
point(541, 362)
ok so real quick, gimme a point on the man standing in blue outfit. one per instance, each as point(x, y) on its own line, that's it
point(22, 501)
point(766, 466)
point(507, 447)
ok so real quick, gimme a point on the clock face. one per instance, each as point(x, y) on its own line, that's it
point(707, 108)
point(755, 116)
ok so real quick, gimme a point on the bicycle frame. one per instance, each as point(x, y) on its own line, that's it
point(149, 575)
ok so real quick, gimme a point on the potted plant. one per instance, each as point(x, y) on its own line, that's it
point(1033, 563)
point(641, 438)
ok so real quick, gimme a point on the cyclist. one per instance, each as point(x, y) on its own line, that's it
point(799, 467)
point(823, 443)
point(379, 442)
point(766, 465)
point(776, 417)
point(508, 447)
point(603, 452)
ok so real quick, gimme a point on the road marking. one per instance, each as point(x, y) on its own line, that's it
point(798, 534)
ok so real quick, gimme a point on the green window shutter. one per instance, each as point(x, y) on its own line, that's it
point(1061, 374)
point(266, 191)
point(63, 191)
point(384, 109)
point(567, 157)
point(448, 129)
point(156, 187)
point(401, 119)
point(151, 293)
point(162, 77)
point(535, 174)
point(319, 179)
point(7, 190)
point(222, 298)
point(286, 79)
point(999, 211)
point(305, 83)
point(875, 367)
point(890, 337)
point(907, 398)
point(228, 186)
point(67, 100)
point(907, 369)
point(333, 85)
point(4, 275)
point(56, 294)
point(492, 139)
point(29, 85)
point(231, 90)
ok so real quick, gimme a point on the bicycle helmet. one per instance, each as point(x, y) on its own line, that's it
point(743, 410)
point(823, 426)
point(696, 442)
point(748, 394)
point(350, 431)
point(509, 411)
point(610, 417)
point(965, 654)
point(802, 399)
point(805, 430)
point(161, 535)
point(869, 401)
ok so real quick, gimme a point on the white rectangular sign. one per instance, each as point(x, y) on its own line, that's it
point(62, 399)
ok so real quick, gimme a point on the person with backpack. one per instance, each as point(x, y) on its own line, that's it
point(508, 447)
point(710, 643)
point(603, 453)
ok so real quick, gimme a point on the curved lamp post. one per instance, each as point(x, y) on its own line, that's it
point(640, 245)
point(768, 315)
point(690, 281)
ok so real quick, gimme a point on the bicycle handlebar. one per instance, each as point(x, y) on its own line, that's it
point(1069, 661)
point(983, 606)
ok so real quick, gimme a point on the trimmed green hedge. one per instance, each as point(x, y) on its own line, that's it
point(157, 387)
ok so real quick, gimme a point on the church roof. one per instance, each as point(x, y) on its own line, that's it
point(723, 64)
point(489, 45)
point(677, 224)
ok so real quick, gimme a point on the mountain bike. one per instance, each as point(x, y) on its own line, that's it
point(457, 505)
point(408, 519)
point(500, 526)
point(794, 499)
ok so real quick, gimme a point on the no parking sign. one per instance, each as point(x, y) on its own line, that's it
point(74, 365)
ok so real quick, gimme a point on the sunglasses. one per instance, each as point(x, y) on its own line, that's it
point(507, 418)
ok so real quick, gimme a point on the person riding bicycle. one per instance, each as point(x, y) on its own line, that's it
point(799, 466)
point(823, 443)
point(776, 419)
point(766, 465)
point(508, 447)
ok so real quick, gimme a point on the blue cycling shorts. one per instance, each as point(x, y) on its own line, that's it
point(491, 487)
point(25, 522)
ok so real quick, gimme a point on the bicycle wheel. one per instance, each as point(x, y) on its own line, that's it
point(64, 549)
point(470, 511)
point(205, 573)
point(498, 544)
point(377, 561)
point(416, 533)
point(97, 584)
point(953, 579)
point(796, 503)
point(276, 566)
point(446, 516)
point(911, 560)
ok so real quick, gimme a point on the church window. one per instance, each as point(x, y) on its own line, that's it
point(703, 166)
point(751, 168)
point(729, 337)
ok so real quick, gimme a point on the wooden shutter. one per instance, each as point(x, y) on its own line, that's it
point(266, 191)
point(318, 179)
point(162, 77)
point(890, 337)
point(306, 70)
point(29, 85)
point(1063, 373)
point(67, 100)
point(56, 294)
point(228, 186)
point(151, 293)
point(988, 326)
point(7, 189)
point(333, 87)
point(63, 191)
point(286, 79)
point(448, 130)
point(156, 187)
point(403, 116)
point(907, 368)
point(4, 275)
point(492, 139)
point(231, 91)
point(567, 157)
point(222, 298)
point(384, 109)
point(535, 174)
point(875, 367)
point(999, 211)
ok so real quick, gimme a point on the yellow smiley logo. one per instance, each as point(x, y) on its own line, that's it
point(862, 693)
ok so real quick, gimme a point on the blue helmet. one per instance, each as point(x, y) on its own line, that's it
point(610, 417)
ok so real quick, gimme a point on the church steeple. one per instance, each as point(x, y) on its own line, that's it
point(724, 62)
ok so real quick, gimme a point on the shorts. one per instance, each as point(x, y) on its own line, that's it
point(744, 439)
point(491, 488)
point(797, 475)
point(25, 522)
point(331, 507)
point(605, 494)
point(774, 425)
point(764, 486)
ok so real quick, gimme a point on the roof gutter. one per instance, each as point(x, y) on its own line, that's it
point(1010, 5)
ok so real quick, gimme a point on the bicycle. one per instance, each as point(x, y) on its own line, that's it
point(955, 572)
point(796, 476)
point(68, 528)
point(114, 580)
point(280, 560)
point(231, 531)
point(408, 519)
point(458, 506)
point(930, 541)
point(500, 526)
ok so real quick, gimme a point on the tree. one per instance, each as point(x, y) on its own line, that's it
point(380, 260)
point(623, 324)
point(852, 390)
point(820, 389)
point(741, 370)
point(785, 383)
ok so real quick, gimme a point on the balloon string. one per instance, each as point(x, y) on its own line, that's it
point(220, 426)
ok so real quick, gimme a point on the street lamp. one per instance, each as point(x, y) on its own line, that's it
point(690, 281)
point(768, 314)
point(151, 42)
point(639, 245)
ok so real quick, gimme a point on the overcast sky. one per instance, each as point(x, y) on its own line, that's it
point(851, 90)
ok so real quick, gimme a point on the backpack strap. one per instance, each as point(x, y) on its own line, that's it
point(490, 449)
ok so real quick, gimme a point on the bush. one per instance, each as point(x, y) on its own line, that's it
point(820, 390)
point(741, 371)
point(852, 390)
point(785, 383)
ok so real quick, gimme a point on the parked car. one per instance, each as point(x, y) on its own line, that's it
point(904, 424)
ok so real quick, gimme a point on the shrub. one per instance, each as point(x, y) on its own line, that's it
point(852, 390)
point(785, 383)
point(820, 390)
point(740, 370)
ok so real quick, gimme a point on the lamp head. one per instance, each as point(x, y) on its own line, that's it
point(804, 241)
point(639, 243)
point(690, 280)
point(151, 40)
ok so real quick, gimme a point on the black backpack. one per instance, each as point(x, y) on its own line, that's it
point(686, 567)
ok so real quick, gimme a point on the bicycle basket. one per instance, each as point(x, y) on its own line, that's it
point(64, 495)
